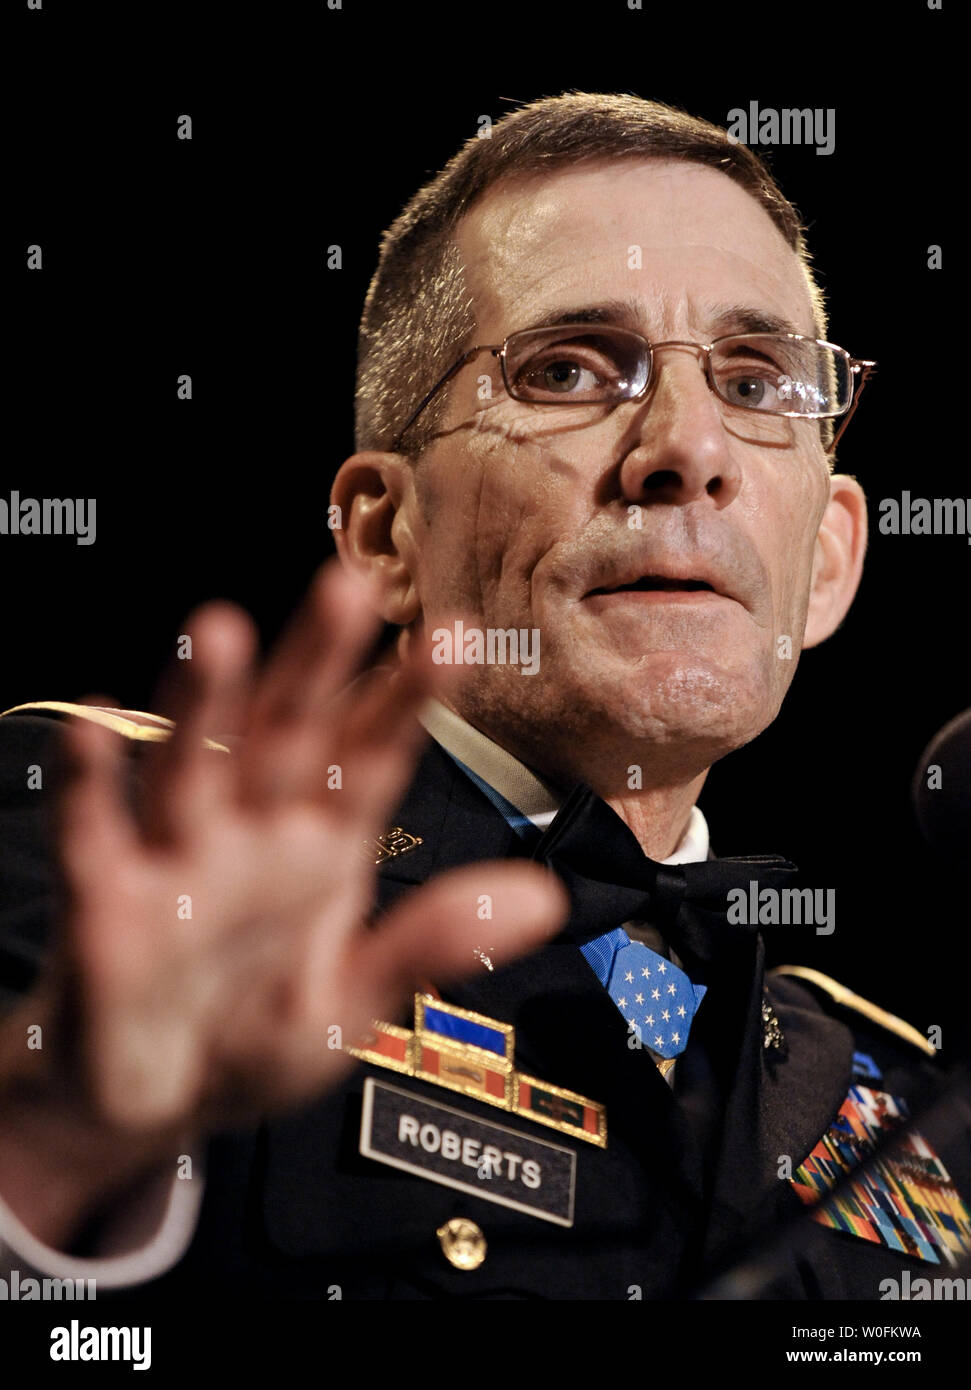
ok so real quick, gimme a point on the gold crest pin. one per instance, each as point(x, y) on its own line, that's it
point(391, 844)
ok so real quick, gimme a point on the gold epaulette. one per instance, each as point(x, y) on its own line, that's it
point(130, 723)
point(846, 997)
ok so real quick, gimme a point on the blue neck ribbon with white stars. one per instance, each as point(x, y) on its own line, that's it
point(654, 995)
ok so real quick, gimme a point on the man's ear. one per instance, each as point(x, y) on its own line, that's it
point(838, 559)
point(373, 530)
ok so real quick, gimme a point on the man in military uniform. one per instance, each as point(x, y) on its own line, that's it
point(596, 412)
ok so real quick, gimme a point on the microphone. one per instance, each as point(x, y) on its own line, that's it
point(942, 788)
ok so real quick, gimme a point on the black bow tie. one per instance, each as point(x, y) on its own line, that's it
point(611, 880)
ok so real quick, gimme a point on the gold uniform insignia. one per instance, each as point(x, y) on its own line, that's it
point(846, 997)
point(392, 843)
point(468, 1052)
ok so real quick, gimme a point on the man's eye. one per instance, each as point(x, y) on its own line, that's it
point(563, 376)
point(771, 390)
point(749, 390)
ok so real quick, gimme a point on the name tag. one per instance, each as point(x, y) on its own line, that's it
point(459, 1150)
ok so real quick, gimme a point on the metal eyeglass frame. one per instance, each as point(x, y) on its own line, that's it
point(859, 367)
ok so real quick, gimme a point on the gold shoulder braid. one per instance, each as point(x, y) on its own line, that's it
point(130, 723)
point(846, 997)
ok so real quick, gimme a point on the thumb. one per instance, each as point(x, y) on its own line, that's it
point(435, 932)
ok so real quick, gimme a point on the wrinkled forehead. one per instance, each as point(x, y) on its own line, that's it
point(681, 242)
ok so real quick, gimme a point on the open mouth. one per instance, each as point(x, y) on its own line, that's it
point(649, 582)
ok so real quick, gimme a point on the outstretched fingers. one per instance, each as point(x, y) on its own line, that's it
point(185, 779)
point(96, 834)
point(290, 731)
point(380, 736)
point(95, 825)
point(440, 931)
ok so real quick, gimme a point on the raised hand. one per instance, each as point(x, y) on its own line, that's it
point(216, 935)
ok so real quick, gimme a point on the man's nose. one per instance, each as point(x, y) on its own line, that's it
point(679, 447)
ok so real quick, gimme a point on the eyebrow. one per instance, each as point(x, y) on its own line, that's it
point(623, 313)
point(627, 313)
point(745, 318)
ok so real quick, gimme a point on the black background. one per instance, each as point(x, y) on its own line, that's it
point(313, 127)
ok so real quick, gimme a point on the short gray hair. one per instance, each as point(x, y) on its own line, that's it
point(418, 315)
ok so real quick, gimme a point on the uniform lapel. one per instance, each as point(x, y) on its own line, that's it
point(455, 822)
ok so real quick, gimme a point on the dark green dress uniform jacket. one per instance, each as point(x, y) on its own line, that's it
point(687, 1186)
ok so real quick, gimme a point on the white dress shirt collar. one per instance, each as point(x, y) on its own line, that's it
point(525, 789)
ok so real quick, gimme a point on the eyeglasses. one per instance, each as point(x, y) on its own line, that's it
point(576, 364)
